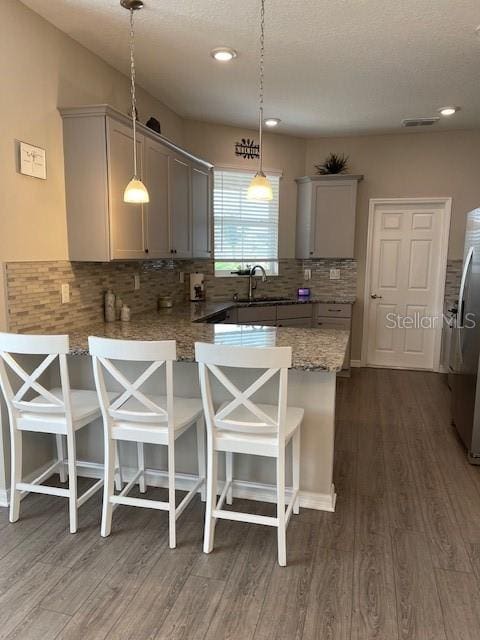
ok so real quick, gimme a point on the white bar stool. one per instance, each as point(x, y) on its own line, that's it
point(241, 426)
point(137, 417)
point(60, 411)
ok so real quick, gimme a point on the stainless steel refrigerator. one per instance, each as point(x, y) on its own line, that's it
point(464, 376)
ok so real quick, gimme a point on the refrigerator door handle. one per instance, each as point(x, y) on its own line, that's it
point(461, 305)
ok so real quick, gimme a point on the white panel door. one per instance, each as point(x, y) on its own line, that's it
point(405, 262)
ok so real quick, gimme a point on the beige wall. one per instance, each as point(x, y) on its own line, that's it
point(42, 68)
point(283, 153)
point(408, 165)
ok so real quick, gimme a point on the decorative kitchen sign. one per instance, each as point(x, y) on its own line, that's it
point(33, 161)
point(247, 149)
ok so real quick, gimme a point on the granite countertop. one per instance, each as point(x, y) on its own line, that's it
point(312, 348)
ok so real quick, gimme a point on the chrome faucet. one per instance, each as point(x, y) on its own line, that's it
point(251, 281)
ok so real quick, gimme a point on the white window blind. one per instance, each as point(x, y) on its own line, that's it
point(245, 232)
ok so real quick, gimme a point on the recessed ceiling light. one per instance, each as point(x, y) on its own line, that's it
point(272, 122)
point(223, 54)
point(448, 111)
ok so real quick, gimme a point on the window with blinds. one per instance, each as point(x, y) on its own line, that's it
point(246, 233)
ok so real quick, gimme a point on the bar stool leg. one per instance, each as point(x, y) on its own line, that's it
point(118, 468)
point(72, 481)
point(61, 457)
point(212, 459)
point(16, 474)
point(108, 488)
point(281, 532)
point(171, 496)
point(296, 468)
point(229, 475)
point(141, 466)
point(200, 426)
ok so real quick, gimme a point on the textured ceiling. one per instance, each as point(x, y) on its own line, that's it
point(332, 66)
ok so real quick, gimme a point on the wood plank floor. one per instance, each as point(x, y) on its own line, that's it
point(398, 560)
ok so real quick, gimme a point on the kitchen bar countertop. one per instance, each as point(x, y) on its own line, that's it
point(313, 349)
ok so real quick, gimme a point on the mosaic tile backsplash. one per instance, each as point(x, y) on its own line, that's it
point(34, 299)
point(34, 302)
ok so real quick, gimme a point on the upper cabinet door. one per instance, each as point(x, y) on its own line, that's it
point(180, 208)
point(157, 227)
point(333, 209)
point(326, 207)
point(127, 230)
point(201, 213)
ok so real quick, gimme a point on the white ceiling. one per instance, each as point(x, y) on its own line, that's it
point(332, 66)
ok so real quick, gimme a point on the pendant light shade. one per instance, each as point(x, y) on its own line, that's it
point(135, 191)
point(260, 189)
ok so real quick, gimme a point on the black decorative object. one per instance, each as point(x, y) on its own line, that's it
point(247, 149)
point(154, 125)
point(333, 164)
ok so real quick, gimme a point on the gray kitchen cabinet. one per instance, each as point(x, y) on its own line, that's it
point(294, 311)
point(295, 322)
point(180, 208)
point(98, 166)
point(202, 214)
point(127, 221)
point(256, 314)
point(326, 207)
point(157, 238)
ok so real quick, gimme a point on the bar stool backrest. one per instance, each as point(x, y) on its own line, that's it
point(105, 352)
point(212, 360)
point(53, 348)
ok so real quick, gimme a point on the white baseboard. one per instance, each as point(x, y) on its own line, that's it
point(185, 482)
point(355, 364)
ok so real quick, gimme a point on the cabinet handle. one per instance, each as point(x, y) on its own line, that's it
point(335, 310)
point(146, 250)
point(311, 253)
point(171, 250)
point(175, 251)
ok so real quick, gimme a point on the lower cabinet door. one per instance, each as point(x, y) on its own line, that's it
point(295, 322)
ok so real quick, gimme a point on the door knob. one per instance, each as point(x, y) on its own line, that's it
point(374, 296)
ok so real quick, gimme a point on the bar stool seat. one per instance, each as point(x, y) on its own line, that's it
point(229, 440)
point(84, 408)
point(186, 411)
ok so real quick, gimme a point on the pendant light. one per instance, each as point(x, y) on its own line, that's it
point(135, 191)
point(260, 189)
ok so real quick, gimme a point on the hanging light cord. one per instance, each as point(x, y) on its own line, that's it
point(262, 60)
point(132, 90)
